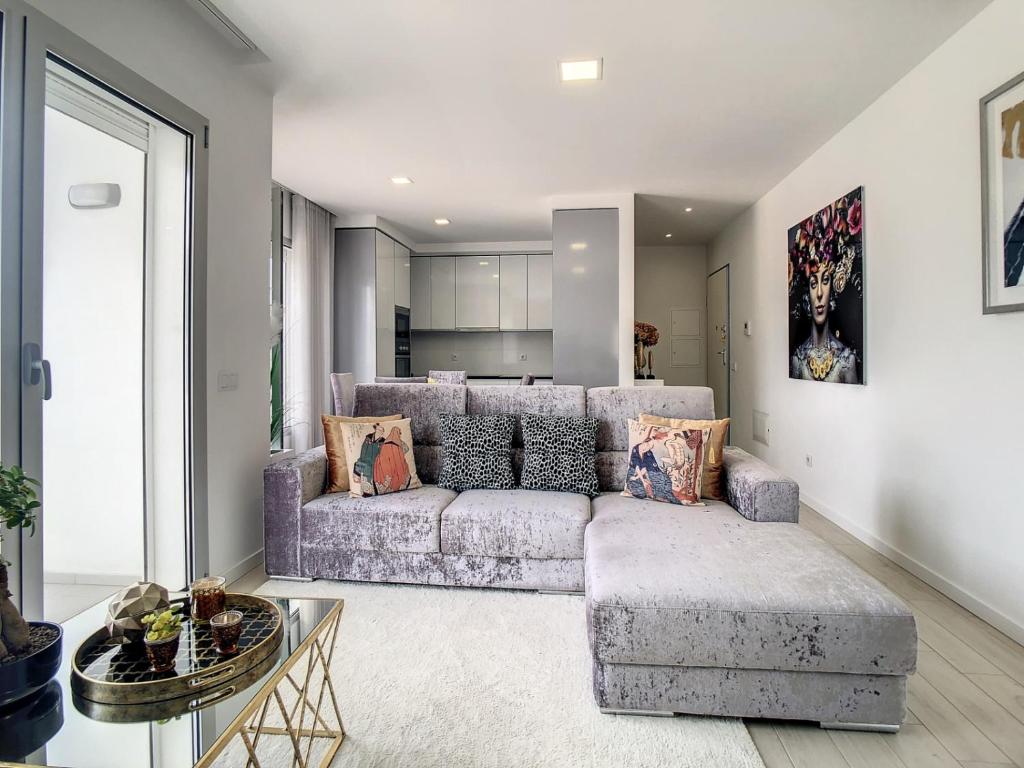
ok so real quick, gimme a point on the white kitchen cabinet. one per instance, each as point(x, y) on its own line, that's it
point(477, 294)
point(538, 309)
point(419, 283)
point(403, 274)
point(385, 302)
point(512, 293)
point(442, 292)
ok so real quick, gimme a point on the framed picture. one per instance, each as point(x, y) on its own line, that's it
point(1002, 198)
point(826, 293)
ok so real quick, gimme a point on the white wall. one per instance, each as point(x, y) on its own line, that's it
point(672, 277)
point(169, 45)
point(924, 461)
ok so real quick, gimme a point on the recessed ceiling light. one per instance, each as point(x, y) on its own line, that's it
point(496, 275)
point(442, 222)
point(578, 246)
point(669, 235)
point(587, 69)
point(687, 210)
point(401, 180)
point(484, 263)
point(578, 270)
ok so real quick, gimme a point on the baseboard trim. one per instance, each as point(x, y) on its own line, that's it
point(954, 592)
point(238, 571)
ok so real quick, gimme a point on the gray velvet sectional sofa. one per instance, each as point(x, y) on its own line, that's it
point(725, 609)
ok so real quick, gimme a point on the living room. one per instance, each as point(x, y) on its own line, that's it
point(736, 520)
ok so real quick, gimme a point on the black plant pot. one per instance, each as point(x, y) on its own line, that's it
point(29, 674)
point(28, 724)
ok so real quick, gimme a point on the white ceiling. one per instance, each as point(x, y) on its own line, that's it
point(706, 103)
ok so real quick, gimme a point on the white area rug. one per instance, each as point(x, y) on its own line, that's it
point(429, 676)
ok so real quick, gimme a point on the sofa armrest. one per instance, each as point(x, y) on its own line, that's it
point(757, 491)
point(287, 485)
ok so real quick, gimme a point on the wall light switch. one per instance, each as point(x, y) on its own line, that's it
point(748, 329)
point(762, 427)
point(227, 381)
point(733, 367)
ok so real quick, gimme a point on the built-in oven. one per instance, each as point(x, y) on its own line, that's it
point(403, 343)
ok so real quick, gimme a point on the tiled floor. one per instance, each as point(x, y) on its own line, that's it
point(966, 702)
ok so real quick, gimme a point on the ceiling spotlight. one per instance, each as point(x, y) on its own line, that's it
point(687, 210)
point(401, 180)
point(669, 235)
point(587, 69)
point(442, 222)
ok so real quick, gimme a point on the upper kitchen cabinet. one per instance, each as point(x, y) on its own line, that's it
point(538, 304)
point(477, 292)
point(513, 292)
point(419, 280)
point(403, 274)
point(442, 292)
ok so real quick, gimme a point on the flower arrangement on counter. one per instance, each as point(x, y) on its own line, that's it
point(645, 336)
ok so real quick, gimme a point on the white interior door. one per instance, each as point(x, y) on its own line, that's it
point(719, 362)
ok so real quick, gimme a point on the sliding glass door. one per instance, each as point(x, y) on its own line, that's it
point(103, 384)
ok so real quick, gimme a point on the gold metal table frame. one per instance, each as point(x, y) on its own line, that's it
point(251, 724)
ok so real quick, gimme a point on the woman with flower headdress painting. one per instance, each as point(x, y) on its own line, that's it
point(821, 261)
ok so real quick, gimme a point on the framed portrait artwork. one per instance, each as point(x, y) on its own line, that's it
point(826, 293)
point(1002, 197)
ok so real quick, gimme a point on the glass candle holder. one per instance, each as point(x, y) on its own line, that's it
point(227, 629)
point(207, 598)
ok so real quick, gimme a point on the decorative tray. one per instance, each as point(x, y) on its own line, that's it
point(108, 672)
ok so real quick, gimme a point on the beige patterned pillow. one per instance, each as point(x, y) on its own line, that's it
point(713, 471)
point(334, 445)
point(380, 458)
point(665, 463)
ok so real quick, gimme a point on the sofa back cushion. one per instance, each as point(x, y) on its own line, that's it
point(559, 400)
point(613, 407)
point(423, 405)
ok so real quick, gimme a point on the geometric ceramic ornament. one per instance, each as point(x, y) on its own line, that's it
point(130, 605)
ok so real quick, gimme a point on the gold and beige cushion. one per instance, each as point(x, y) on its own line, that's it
point(334, 444)
point(380, 457)
point(713, 471)
point(665, 463)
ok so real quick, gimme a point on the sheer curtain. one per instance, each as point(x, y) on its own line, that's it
point(308, 340)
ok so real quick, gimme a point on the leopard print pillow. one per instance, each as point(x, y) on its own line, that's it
point(560, 454)
point(476, 452)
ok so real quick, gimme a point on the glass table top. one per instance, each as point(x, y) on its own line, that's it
point(54, 727)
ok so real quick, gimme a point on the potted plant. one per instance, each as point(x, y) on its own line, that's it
point(163, 633)
point(29, 651)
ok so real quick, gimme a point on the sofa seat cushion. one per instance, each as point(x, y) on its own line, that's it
point(409, 521)
point(705, 587)
point(519, 523)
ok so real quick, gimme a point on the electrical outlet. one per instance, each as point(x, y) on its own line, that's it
point(809, 460)
point(522, 357)
point(455, 357)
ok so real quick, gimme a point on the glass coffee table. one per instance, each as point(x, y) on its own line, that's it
point(286, 706)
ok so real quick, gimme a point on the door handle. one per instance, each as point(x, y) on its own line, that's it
point(34, 369)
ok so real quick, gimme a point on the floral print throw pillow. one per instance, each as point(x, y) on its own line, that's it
point(380, 458)
point(665, 463)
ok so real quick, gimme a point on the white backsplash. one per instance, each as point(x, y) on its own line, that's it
point(484, 353)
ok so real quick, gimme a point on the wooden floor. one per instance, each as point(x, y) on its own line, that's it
point(966, 702)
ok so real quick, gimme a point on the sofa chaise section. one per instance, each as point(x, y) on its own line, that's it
point(701, 611)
